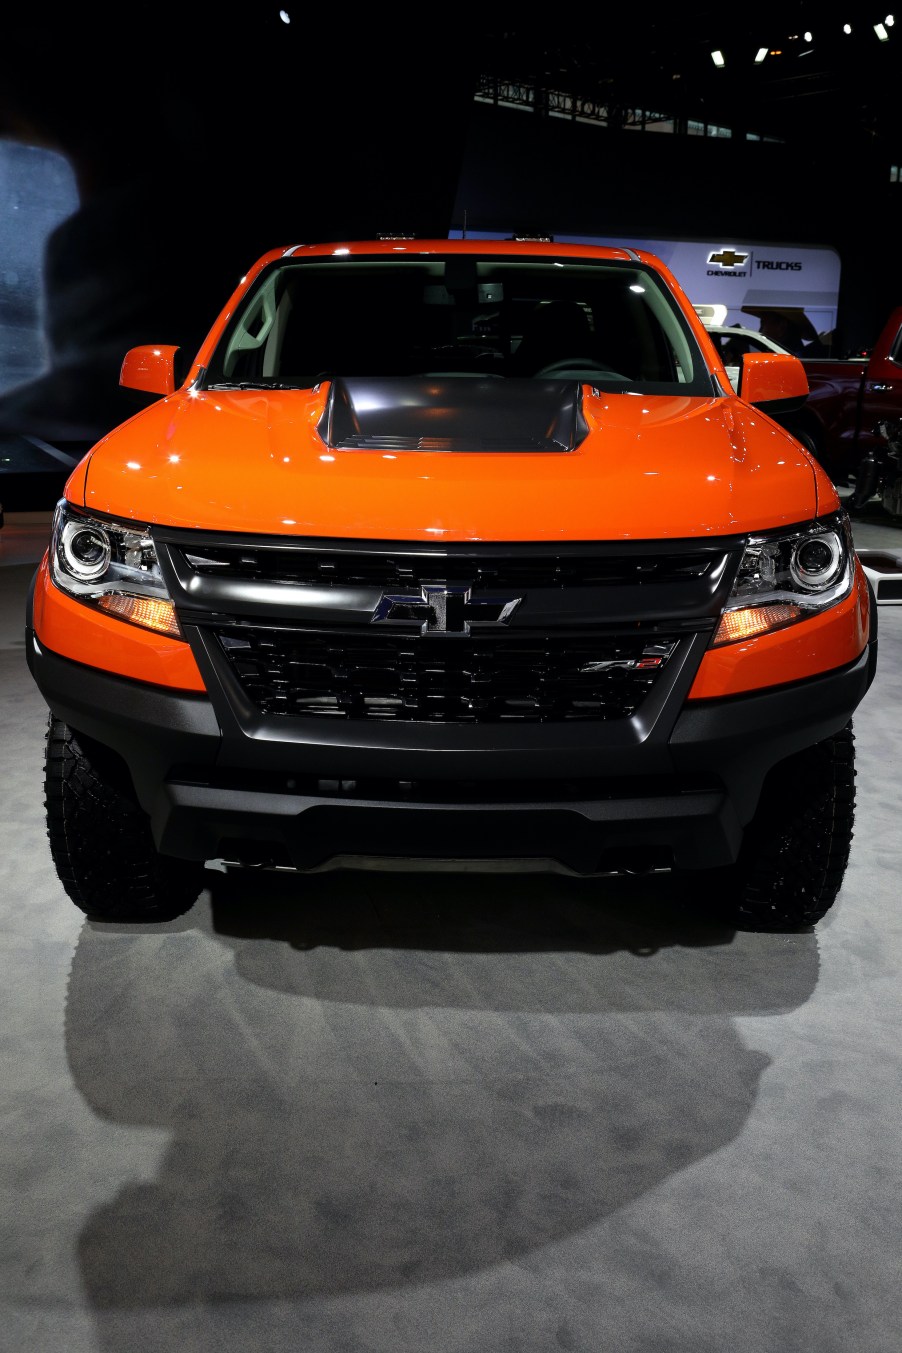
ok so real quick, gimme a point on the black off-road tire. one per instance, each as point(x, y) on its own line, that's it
point(796, 849)
point(101, 841)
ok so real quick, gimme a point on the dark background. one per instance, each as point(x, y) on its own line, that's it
point(201, 137)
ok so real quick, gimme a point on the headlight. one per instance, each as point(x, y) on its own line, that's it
point(787, 577)
point(111, 566)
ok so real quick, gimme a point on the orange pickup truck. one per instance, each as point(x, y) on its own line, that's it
point(453, 550)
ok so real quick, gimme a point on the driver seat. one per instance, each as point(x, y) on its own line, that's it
point(554, 330)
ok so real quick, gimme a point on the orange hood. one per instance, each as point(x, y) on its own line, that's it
point(649, 466)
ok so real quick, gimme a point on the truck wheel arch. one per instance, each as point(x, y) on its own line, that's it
point(807, 432)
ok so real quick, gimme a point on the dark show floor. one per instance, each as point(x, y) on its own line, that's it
point(436, 1113)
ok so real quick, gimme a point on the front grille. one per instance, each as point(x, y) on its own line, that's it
point(400, 569)
point(424, 678)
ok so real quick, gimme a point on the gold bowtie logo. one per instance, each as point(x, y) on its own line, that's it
point(727, 258)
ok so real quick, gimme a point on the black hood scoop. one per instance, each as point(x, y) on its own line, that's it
point(452, 413)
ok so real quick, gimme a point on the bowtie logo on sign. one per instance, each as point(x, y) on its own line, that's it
point(728, 258)
point(728, 262)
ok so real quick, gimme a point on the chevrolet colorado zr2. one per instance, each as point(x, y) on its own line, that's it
point(453, 550)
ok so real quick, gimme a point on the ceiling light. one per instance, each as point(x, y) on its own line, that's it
point(809, 37)
point(761, 54)
point(889, 21)
point(284, 16)
point(717, 58)
point(847, 28)
point(881, 32)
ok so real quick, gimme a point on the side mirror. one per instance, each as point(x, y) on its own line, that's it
point(150, 368)
point(774, 382)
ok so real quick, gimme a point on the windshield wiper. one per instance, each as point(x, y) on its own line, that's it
point(253, 385)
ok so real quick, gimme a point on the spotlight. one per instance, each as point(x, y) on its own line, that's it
point(809, 37)
point(760, 55)
point(717, 58)
point(881, 32)
point(847, 28)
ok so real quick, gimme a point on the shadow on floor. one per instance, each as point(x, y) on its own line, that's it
point(373, 1079)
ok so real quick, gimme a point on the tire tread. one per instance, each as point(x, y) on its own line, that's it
point(101, 842)
point(796, 849)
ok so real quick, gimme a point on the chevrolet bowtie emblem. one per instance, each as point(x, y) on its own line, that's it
point(728, 258)
point(445, 608)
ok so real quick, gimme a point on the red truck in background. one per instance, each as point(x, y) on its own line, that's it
point(849, 398)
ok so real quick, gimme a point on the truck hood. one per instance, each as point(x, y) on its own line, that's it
point(605, 467)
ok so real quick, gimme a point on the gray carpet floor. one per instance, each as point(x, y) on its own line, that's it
point(431, 1113)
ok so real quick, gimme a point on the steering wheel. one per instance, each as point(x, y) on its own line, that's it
point(580, 368)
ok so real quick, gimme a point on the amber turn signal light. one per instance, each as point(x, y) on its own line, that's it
point(749, 621)
point(149, 612)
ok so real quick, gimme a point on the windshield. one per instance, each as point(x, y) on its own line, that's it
point(611, 324)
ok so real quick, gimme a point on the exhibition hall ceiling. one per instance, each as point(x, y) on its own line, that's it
point(797, 70)
point(793, 71)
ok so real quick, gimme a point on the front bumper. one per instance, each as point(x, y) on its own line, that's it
point(674, 791)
